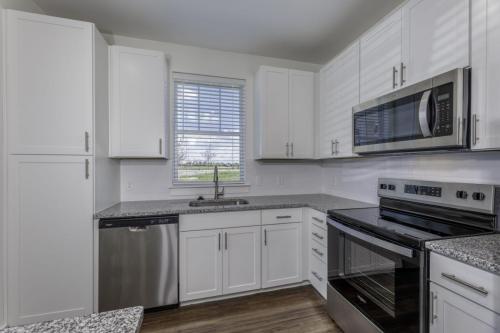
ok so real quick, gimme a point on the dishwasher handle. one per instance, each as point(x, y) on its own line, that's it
point(137, 224)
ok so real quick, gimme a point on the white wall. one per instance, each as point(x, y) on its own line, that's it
point(151, 179)
point(357, 178)
point(25, 5)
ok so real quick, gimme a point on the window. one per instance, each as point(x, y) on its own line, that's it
point(209, 129)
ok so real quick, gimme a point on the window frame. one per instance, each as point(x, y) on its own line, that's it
point(207, 80)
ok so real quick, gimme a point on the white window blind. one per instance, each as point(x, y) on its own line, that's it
point(209, 129)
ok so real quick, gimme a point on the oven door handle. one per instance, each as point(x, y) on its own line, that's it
point(404, 251)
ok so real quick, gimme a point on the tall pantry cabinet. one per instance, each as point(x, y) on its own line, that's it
point(57, 146)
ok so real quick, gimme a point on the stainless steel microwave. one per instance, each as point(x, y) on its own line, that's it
point(429, 115)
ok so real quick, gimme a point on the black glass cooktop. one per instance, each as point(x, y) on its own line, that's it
point(403, 227)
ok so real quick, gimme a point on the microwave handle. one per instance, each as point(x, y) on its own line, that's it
point(422, 114)
point(404, 251)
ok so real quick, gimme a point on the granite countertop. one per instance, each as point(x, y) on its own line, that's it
point(321, 202)
point(127, 320)
point(479, 251)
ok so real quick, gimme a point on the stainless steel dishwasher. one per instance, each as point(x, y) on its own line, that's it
point(138, 262)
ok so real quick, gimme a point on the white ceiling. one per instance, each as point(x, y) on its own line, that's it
point(306, 30)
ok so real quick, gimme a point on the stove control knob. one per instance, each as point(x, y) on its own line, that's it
point(392, 187)
point(462, 195)
point(383, 186)
point(479, 196)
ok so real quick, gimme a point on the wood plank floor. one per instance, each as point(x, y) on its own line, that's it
point(295, 310)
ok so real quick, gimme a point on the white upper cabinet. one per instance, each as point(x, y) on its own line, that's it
point(435, 38)
point(284, 113)
point(485, 59)
point(138, 103)
point(339, 94)
point(380, 58)
point(50, 60)
point(50, 232)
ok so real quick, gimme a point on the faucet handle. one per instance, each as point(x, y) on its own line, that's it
point(222, 192)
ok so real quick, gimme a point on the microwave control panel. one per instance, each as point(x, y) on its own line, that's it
point(443, 98)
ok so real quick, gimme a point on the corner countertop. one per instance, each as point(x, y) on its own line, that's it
point(479, 251)
point(127, 320)
point(320, 202)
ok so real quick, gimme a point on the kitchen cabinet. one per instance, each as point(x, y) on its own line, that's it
point(435, 38)
point(200, 263)
point(485, 74)
point(241, 259)
point(281, 254)
point(380, 58)
point(50, 237)
point(50, 60)
point(452, 313)
point(138, 103)
point(339, 94)
point(284, 113)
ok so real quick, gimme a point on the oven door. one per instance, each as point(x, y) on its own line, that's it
point(425, 116)
point(379, 279)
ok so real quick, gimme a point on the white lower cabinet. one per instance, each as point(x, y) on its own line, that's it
point(452, 313)
point(241, 259)
point(50, 234)
point(219, 262)
point(200, 263)
point(281, 254)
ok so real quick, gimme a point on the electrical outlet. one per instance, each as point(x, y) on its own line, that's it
point(129, 186)
point(280, 180)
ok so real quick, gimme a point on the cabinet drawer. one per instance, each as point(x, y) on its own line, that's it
point(470, 282)
point(319, 251)
point(317, 275)
point(219, 220)
point(318, 235)
point(318, 219)
point(274, 216)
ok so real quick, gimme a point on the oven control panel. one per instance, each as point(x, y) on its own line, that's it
point(477, 197)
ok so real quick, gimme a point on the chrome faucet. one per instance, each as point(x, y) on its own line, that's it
point(218, 194)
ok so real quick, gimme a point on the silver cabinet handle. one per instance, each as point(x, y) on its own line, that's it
point(333, 151)
point(316, 275)
point(225, 240)
point(453, 278)
point(279, 217)
point(87, 143)
point(87, 169)
point(315, 234)
point(432, 308)
point(265, 237)
point(318, 252)
point(138, 229)
point(291, 149)
point(402, 74)
point(336, 147)
point(219, 240)
point(475, 120)
point(394, 75)
point(287, 149)
point(160, 144)
point(318, 219)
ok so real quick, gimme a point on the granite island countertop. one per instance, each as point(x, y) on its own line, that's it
point(479, 251)
point(127, 320)
point(320, 202)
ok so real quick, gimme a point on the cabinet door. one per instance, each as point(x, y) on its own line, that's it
point(281, 254)
point(241, 259)
point(51, 61)
point(200, 263)
point(435, 37)
point(346, 96)
point(272, 118)
point(452, 313)
point(380, 58)
point(137, 102)
point(326, 113)
point(301, 114)
point(50, 238)
point(485, 59)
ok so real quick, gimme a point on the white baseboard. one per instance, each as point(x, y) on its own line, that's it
point(246, 293)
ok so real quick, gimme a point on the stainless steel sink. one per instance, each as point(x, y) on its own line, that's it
point(219, 202)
